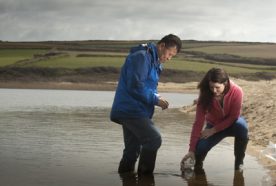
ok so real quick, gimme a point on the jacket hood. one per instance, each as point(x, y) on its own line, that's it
point(150, 47)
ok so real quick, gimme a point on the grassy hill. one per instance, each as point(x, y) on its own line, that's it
point(98, 61)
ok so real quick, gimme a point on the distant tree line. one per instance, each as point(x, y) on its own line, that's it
point(231, 58)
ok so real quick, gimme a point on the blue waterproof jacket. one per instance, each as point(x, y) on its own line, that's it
point(136, 94)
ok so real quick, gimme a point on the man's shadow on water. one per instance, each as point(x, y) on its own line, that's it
point(198, 177)
point(133, 179)
point(191, 177)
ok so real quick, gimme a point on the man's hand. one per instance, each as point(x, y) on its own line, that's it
point(164, 104)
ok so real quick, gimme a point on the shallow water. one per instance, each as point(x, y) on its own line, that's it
point(50, 137)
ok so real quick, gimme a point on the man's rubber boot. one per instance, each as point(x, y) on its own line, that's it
point(125, 166)
point(147, 161)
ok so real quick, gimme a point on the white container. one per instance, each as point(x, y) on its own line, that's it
point(188, 164)
point(269, 151)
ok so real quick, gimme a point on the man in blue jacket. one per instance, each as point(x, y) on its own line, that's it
point(135, 99)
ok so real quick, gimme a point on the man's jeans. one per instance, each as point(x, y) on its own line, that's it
point(139, 133)
point(238, 130)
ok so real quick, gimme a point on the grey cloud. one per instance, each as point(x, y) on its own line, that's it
point(250, 20)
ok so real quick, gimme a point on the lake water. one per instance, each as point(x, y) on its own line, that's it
point(65, 138)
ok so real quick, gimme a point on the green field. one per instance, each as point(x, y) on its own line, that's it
point(257, 50)
point(11, 56)
point(100, 59)
point(249, 58)
point(73, 62)
point(199, 66)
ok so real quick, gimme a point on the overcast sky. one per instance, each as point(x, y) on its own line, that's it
point(223, 20)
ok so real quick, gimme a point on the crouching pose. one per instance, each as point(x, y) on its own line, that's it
point(218, 106)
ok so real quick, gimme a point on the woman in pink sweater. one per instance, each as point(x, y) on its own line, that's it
point(218, 109)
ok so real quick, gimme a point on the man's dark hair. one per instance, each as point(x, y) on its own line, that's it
point(171, 41)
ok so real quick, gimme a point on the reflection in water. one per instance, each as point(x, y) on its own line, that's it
point(133, 179)
point(238, 178)
point(198, 177)
point(191, 178)
point(195, 177)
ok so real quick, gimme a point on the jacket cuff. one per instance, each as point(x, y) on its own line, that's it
point(156, 99)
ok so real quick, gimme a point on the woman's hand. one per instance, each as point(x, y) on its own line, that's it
point(206, 133)
point(190, 154)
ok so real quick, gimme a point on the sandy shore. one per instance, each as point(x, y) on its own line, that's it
point(260, 111)
point(259, 107)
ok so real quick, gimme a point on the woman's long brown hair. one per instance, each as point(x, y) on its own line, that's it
point(216, 75)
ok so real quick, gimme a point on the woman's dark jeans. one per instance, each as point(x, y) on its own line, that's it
point(238, 129)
